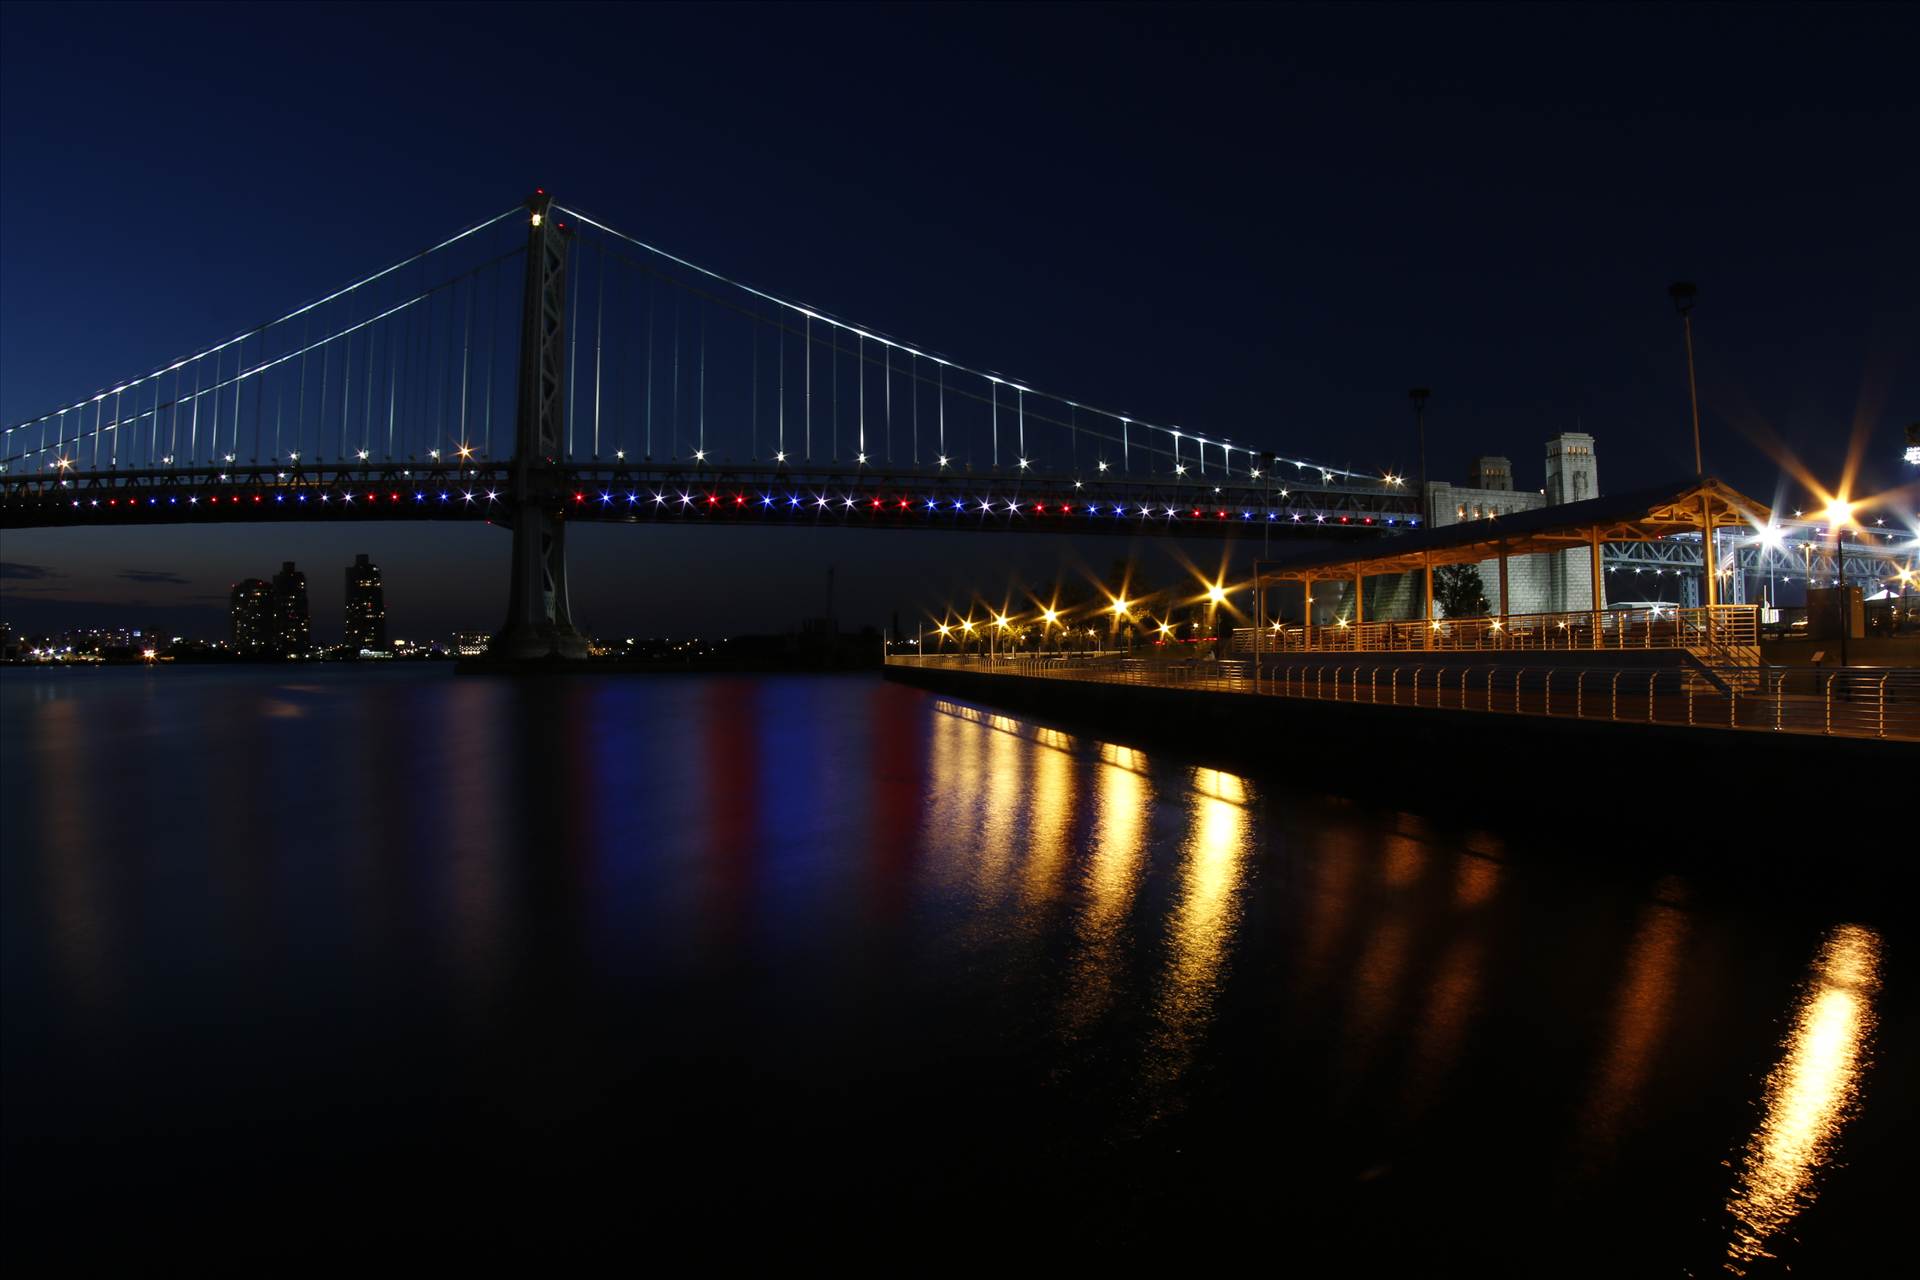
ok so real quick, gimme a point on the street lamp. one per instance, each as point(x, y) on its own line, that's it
point(1419, 397)
point(1682, 293)
point(1839, 514)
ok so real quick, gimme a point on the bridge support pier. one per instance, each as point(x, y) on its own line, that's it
point(539, 622)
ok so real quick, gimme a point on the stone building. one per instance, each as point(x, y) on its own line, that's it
point(1549, 583)
point(1560, 582)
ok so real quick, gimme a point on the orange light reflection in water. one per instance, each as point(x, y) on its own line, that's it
point(1809, 1096)
point(1203, 921)
point(1111, 878)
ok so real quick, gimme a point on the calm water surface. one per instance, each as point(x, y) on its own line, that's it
point(352, 952)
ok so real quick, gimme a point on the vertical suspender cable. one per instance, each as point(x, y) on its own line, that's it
point(703, 381)
point(346, 395)
point(573, 359)
point(676, 375)
point(861, 362)
point(943, 413)
point(780, 393)
point(213, 436)
point(753, 415)
point(599, 336)
point(993, 390)
point(1020, 400)
point(300, 410)
point(193, 419)
point(887, 354)
point(238, 382)
point(809, 401)
point(366, 409)
point(466, 361)
point(395, 350)
point(493, 343)
point(259, 407)
point(649, 453)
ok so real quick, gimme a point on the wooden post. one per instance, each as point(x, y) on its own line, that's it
point(1709, 592)
point(1504, 623)
point(1426, 597)
point(1594, 592)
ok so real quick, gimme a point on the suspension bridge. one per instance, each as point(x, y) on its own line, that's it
point(541, 367)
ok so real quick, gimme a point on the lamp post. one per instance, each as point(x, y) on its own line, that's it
point(1682, 293)
point(1419, 397)
point(1839, 512)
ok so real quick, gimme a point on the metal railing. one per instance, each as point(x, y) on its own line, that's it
point(1855, 702)
point(1727, 628)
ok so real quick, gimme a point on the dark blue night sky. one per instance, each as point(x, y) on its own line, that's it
point(1264, 222)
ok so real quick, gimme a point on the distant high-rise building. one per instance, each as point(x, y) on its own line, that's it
point(366, 606)
point(292, 630)
point(250, 612)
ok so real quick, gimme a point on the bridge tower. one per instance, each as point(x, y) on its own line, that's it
point(539, 623)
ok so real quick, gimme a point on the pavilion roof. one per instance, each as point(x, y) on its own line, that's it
point(1642, 515)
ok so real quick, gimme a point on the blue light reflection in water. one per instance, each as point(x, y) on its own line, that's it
point(422, 935)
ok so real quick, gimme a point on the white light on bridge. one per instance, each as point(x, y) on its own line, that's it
point(1101, 465)
point(780, 456)
point(1024, 464)
point(944, 459)
point(699, 455)
point(361, 454)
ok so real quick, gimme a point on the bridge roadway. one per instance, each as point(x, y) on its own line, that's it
point(727, 493)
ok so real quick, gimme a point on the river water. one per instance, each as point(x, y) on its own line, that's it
point(298, 950)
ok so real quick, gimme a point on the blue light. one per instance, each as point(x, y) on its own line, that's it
point(301, 498)
point(931, 504)
point(794, 501)
point(278, 497)
point(443, 497)
point(605, 497)
point(419, 497)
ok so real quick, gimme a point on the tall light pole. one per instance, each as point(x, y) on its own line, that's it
point(1839, 513)
point(1682, 293)
point(1419, 397)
